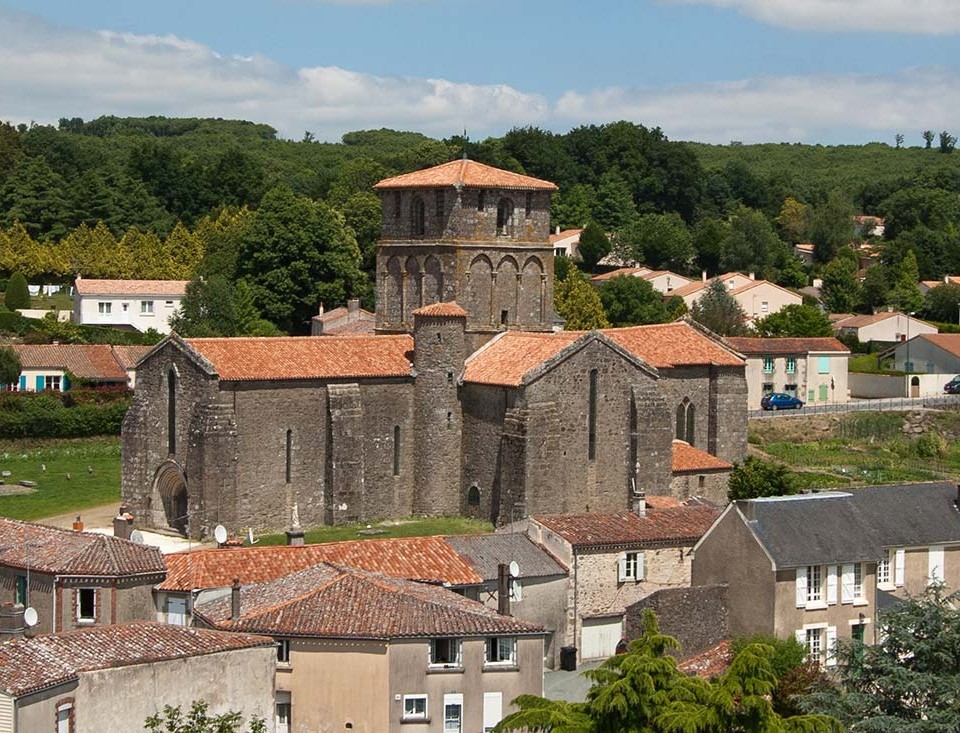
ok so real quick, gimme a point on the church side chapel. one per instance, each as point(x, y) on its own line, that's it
point(465, 401)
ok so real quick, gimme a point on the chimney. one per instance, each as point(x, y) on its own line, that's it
point(353, 306)
point(556, 229)
point(235, 600)
point(503, 589)
point(78, 524)
point(946, 279)
point(123, 524)
point(639, 498)
point(703, 275)
point(320, 309)
point(752, 276)
point(11, 621)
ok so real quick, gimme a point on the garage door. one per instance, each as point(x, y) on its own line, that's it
point(599, 637)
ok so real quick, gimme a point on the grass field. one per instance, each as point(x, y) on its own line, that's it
point(55, 493)
point(411, 527)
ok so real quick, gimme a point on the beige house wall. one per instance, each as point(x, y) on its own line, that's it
point(765, 298)
point(711, 485)
point(896, 328)
point(811, 384)
point(916, 565)
point(666, 282)
point(925, 357)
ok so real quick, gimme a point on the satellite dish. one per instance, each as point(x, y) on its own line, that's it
point(514, 569)
point(136, 536)
point(30, 616)
point(220, 534)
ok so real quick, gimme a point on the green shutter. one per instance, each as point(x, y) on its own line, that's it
point(65, 383)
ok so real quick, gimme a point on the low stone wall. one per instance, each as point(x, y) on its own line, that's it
point(697, 617)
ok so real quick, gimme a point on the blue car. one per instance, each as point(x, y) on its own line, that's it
point(780, 401)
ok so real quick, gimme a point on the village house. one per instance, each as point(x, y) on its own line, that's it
point(134, 304)
point(757, 298)
point(663, 281)
point(812, 369)
point(882, 327)
point(75, 579)
point(114, 677)
point(927, 285)
point(427, 659)
point(57, 367)
point(696, 473)
point(616, 559)
point(566, 243)
point(930, 353)
point(339, 321)
point(818, 567)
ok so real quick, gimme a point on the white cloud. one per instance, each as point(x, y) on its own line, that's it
point(48, 72)
point(826, 109)
point(937, 17)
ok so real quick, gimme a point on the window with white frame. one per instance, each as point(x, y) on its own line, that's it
point(857, 581)
point(768, 365)
point(502, 650)
point(86, 605)
point(65, 718)
point(52, 382)
point(146, 307)
point(445, 652)
point(814, 583)
point(820, 641)
point(883, 569)
point(631, 567)
point(764, 306)
point(453, 713)
point(791, 364)
point(814, 644)
point(283, 712)
point(851, 583)
point(283, 651)
point(414, 707)
point(890, 568)
point(104, 308)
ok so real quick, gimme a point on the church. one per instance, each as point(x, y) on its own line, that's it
point(466, 399)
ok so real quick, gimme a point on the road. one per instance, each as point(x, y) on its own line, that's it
point(864, 405)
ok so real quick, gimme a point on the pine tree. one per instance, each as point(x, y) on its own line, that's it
point(906, 296)
point(718, 311)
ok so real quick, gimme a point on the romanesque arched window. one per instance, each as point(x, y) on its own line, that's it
point(171, 412)
point(504, 217)
point(473, 495)
point(686, 414)
point(419, 216)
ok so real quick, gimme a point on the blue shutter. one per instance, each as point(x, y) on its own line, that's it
point(65, 383)
point(23, 382)
point(40, 383)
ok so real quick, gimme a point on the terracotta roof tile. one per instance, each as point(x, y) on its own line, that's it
point(563, 235)
point(689, 289)
point(682, 525)
point(506, 359)
point(467, 173)
point(131, 287)
point(307, 357)
point(87, 361)
point(672, 344)
point(863, 320)
point(687, 458)
point(30, 665)
point(337, 602)
point(128, 356)
point(757, 283)
point(710, 663)
point(625, 271)
point(429, 559)
point(949, 342)
point(63, 551)
point(768, 346)
point(449, 309)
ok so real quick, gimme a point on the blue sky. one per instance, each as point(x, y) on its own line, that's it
point(827, 71)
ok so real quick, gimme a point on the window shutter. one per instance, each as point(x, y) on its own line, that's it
point(898, 568)
point(846, 584)
point(65, 383)
point(935, 563)
point(801, 587)
point(831, 646)
point(23, 382)
point(40, 383)
point(622, 575)
point(641, 570)
point(831, 584)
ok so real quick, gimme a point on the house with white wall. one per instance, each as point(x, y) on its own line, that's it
point(663, 281)
point(757, 298)
point(55, 367)
point(889, 327)
point(137, 304)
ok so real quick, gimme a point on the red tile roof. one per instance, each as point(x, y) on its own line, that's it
point(949, 342)
point(686, 459)
point(65, 552)
point(429, 559)
point(131, 287)
point(507, 359)
point(87, 361)
point(449, 309)
point(337, 602)
point(757, 283)
point(863, 320)
point(682, 525)
point(621, 271)
point(342, 321)
point(467, 173)
point(128, 356)
point(30, 665)
point(563, 235)
point(710, 663)
point(695, 287)
point(768, 346)
point(307, 357)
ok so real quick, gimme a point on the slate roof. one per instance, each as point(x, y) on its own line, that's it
point(158, 288)
point(307, 357)
point(467, 173)
point(687, 458)
point(854, 525)
point(511, 356)
point(66, 552)
point(769, 346)
point(682, 525)
point(87, 361)
point(30, 665)
point(485, 552)
point(449, 309)
point(336, 602)
point(430, 559)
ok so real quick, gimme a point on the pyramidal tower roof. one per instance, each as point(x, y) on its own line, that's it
point(465, 173)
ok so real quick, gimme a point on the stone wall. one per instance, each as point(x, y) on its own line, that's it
point(696, 617)
point(710, 485)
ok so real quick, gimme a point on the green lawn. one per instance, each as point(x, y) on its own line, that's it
point(55, 493)
point(410, 527)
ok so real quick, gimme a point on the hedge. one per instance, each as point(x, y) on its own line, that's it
point(44, 415)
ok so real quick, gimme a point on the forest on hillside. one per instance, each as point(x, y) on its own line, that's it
point(297, 222)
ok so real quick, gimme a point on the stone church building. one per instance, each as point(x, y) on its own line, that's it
point(465, 401)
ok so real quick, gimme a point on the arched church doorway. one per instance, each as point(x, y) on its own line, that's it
point(170, 487)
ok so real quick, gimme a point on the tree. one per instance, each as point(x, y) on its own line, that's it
point(217, 307)
point(632, 301)
point(17, 295)
point(755, 477)
point(928, 139)
point(831, 226)
point(876, 287)
point(594, 245)
point(898, 138)
point(9, 366)
point(942, 303)
point(906, 296)
point(841, 289)
point(199, 720)
point(363, 215)
point(947, 142)
point(657, 240)
point(792, 221)
point(751, 244)
point(717, 310)
point(615, 206)
point(795, 675)
point(708, 237)
point(35, 195)
point(577, 302)
point(572, 209)
point(800, 321)
point(907, 682)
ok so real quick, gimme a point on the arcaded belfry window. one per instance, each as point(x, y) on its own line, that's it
point(504, 217)
point(418, 213)
point(592, 417)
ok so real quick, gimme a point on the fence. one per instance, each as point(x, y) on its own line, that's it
point(865, 405)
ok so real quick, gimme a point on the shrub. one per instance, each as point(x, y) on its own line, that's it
point(930, 445)
point(17, 295)
point(46, 415)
